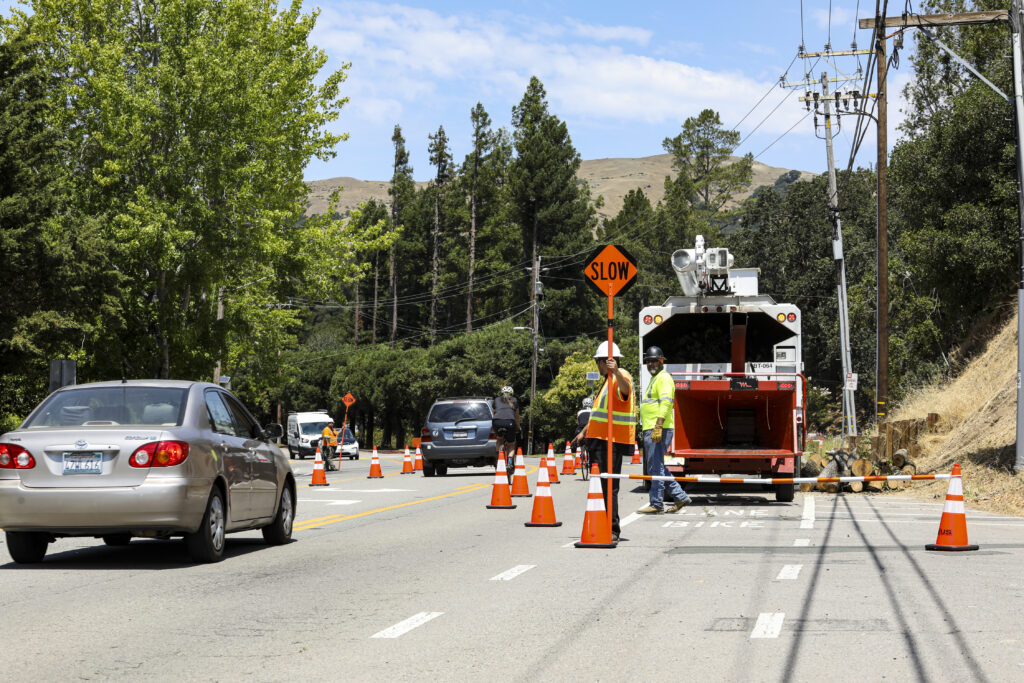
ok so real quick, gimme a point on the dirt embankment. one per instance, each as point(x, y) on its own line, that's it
point(978, 429)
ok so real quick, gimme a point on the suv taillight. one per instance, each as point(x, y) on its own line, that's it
point(159, 454)
point(14, 457)
point(425, 436)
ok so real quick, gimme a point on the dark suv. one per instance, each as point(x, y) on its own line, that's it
point(458, 433)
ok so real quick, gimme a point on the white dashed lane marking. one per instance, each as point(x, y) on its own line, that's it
point(789, 572)
point(329, 501)
point(801, 542)
point(807, 521)
point(513, 573)
point(409, 624)
point(769, 625)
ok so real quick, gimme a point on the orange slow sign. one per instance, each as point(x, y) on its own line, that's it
point(612, 265)
point(348, 399)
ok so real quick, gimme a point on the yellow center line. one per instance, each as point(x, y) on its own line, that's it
point(334, 519)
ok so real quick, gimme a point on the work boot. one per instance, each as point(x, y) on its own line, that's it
point(680, 504)
point(649, 510)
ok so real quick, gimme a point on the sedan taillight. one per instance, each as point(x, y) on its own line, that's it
point(14, 457)
point(159, 454)
point(425, 436)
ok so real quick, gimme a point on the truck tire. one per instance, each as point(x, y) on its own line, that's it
point(784, 493)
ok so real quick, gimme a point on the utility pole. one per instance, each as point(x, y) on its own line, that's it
point(882, 235)
point(220, 316)
point(1014, 17)
point(849, 404)
point(537, 288)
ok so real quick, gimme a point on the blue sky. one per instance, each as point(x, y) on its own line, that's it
point(623, 76)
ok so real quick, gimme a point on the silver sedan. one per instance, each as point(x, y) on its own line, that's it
point(150, 458)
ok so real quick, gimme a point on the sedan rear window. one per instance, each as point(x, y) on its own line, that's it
point(451, 412)
point(109, 406)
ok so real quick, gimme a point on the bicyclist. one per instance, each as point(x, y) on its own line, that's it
point(583, 415)
point(506, 421)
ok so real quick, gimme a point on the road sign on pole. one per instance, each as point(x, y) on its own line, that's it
point(611, 270)
point(348, 399)
point(851, 381)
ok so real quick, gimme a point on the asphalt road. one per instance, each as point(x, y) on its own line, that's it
point(410, 578)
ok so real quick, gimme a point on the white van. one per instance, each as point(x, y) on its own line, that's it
point(304, 430)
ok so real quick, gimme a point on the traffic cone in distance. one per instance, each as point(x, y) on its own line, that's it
point(543, 505)
point(319, 476)
point(577, 463)
point(595, 521)
point(375, 472)
point(418, 465)
point(567, 464)
point(407, 462)
point(953, 525)
point(552, 469)
point(520, 486)
point(501, 497)
point(636, 455)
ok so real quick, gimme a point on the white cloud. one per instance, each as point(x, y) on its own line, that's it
point(406, 58)
point(841, 20)
point(633, 34)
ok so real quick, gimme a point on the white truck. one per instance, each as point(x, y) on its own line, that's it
point(735, 357)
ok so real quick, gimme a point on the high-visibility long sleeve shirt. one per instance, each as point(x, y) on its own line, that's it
point(659, 401)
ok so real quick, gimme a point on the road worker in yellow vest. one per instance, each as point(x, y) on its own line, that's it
point(657, 423)
point(623, 417)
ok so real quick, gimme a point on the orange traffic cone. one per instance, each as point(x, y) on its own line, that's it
point(319, 476)
point(636, 455)
point(543, 505)
point(418, 465)
point(520, 487)
point(953, 525)
point(577, 463)
point(552, 469)
point(501, 498)
point(375, 472)
point(407, 463)
point(567, 464)
point(595, 532)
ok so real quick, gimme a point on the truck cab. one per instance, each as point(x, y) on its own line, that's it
point(735, 358)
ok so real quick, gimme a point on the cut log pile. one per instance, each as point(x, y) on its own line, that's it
point(843, 464)
point(903, 434)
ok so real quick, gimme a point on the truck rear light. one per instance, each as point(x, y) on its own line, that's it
point(425, 436)
point(791, 317)
point(704, 309)
point(781, 317)
point(14, 457)
point(647, 320)
point(658, 320)
point(159, 454)
point(719, 309)
point(799, 418)
point(786, 386)
point(682, 385)
point(733, 309)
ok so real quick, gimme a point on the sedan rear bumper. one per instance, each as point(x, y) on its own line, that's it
point(158, 504)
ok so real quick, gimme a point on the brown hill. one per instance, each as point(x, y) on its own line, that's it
point(979, 415)
point(611, 178)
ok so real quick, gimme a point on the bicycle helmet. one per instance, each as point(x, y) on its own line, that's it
point(588, 403)
point(507, 390)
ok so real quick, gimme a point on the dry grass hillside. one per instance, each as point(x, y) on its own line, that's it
point(611, 178)
point(978, 429)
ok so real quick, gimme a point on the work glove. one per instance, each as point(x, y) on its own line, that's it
point(656, 434)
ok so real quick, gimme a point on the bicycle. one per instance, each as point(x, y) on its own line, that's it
point(507, 447)
point(584, 461)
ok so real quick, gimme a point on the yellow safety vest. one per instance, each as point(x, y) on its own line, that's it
point(659, 401)
point(623, 415)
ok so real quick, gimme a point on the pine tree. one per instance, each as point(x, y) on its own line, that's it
point(441, 160)
point(701, 153)
point(483, 142)
point(401, 188)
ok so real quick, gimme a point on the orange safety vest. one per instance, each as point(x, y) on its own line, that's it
point(331, 435)
point(623, 415)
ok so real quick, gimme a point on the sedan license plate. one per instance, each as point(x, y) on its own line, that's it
point(83, 463)
point(460, 434)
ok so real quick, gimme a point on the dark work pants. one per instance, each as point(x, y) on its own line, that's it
point(598, 449)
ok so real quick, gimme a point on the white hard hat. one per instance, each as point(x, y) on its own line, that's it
point(602, 351)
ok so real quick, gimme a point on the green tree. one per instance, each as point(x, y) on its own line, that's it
point(187, 127)
point(441, 160)
point(401, 190)
point(702, 152)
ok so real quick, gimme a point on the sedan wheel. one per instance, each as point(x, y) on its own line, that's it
point(207, 544)
point(279, 531)
point(27, 547)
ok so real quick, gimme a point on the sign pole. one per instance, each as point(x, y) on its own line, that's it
point(609, 463)
point(348, 399)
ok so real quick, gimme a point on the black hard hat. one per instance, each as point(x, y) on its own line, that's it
point(653, 353)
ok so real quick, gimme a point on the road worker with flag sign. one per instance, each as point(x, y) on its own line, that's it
point(657, 423)
point(620, 410)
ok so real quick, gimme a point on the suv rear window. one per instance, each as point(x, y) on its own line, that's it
point(462, 410)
